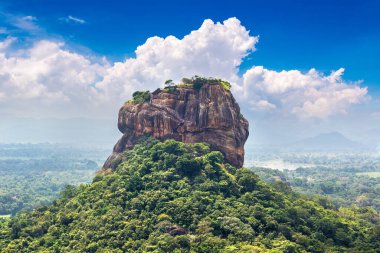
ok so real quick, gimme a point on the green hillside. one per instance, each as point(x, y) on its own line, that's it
point(175, 197)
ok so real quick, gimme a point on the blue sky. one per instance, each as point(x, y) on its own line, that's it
point(293, 34)
point(77, 59)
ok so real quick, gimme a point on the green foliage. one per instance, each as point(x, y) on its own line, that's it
point(186, 80)
point(171, 89)
point(141, 96)
point(32, 175)
point(169, 82)
point(175, 197)
point(183, 85)
point(344, 186)
point(197, 82)
point(188, 166)
point(226, 85)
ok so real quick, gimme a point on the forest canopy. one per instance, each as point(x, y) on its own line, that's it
point(175, 197)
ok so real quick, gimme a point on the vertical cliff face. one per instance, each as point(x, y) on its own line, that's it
point(209, 114)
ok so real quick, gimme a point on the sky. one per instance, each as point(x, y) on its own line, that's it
point(298, 68)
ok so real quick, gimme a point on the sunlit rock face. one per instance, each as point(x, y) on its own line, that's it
point(209, 114)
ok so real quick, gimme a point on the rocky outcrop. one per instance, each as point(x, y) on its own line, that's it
point(209, 114)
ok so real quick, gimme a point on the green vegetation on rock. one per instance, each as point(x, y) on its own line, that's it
point(141, 96)
point(175, 197)
point(197, 82)
point(226, 85)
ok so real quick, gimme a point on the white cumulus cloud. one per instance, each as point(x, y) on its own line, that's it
point(6, 43)
point(46, 73)
point(215, 49)
point(306, 95)
point(49, 73)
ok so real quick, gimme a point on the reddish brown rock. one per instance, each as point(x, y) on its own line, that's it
point(209, 115)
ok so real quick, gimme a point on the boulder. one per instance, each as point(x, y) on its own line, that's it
point(209, 114)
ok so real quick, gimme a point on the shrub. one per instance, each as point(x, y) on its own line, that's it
point(169, 82)
point(141, 96)
point(188, 166)
point(226, 85)
point(197, 82)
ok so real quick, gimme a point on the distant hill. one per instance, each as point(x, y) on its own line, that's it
point(371, 138)
point(333, 141)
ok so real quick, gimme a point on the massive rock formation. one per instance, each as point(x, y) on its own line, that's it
point(209, 114)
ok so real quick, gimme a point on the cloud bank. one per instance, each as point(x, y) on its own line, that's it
point(306, 95)
point(47, 73)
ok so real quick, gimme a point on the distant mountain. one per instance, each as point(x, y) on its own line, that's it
point(333, 141)
point(371, 137)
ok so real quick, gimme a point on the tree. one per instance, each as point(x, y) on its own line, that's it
point(161, 199)
point(141, 96)
point(169, 82)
